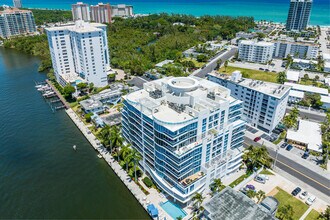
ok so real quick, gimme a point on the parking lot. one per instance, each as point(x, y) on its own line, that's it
point(277, 180)
point(276, 65)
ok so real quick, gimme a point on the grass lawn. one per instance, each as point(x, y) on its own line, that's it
point(281, 137)
point(197, 64)
point(312, 215)
point(238, 180)
point(252, 74)
point(266, 172)
point(285, 198)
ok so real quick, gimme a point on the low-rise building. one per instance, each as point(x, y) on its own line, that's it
point(92, 106)
point(292, 75)
point(264, 103)
point(302, 50)
point(303, 63)
point(188, 131)
point(246, 35)
point(307, 135)
point(252, 51)
point(309, 89)
point(122, 10)
point(14, 22)
point(232, 204)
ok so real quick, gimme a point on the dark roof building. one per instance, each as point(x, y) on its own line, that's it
point(232, 205)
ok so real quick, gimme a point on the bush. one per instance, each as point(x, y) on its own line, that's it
point(147, 182)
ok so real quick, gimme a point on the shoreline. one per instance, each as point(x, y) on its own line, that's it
point(152, 198)
point(138, 14)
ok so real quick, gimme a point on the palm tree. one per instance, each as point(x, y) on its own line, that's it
point(260, 195)
point(285, 212)
point(128, 158)
point(219, 62)
point(136, 157)
point(115, 138)
point(226, 64)
point(104, 135)
point(256, 155)
point(216, 186)
point(251, 194)
point(198, 198)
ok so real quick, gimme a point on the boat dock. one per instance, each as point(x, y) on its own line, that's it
point(54, 98)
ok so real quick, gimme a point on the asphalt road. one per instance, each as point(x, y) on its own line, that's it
point(225, 55)
point(293, 168)
point(313, 116)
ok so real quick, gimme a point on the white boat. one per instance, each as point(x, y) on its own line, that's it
point(74, 147)
point(99, 156)
point(39, 86)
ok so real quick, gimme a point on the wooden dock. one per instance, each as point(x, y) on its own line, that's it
point(59, 95)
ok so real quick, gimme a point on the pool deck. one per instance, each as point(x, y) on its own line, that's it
point(154, 197)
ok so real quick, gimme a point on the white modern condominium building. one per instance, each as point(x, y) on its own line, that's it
point(80, 11)
point(15, 22)
point(264, 103)
point(79, 53)
point(252, 51)
point(188, 131)
point(122, 10)
point(301, 50)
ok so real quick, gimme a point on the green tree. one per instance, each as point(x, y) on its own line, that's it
point(281, 77)
point(116, 139)
point(325, 215)
point(216, 186)
point(82, 86)
point(251, 194)
point(68, 91)
point(136, 157)
point(219, 62)
point(91, 87)
point(225, 65)
point(88, 117)
point(291, 120)
point(285, 212)
point(260, 195)
point(198, 199)
point(254, 156)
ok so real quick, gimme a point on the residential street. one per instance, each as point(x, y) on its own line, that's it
point(212, 64)
point(295, 169)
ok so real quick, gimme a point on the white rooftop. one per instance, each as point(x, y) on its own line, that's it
point(79, 26)
point(325, 99)
point(327, 64)
point(175, 101)
point(297, 60)
point(311, 89)
point(308, 133)
point(326, 56)
point(161, 64)
point(268, 88)
point(292, 75)
point(260, 43)
point(296, 94)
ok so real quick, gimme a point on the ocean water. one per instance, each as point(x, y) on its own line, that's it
point(41, 176)
point(274, 10)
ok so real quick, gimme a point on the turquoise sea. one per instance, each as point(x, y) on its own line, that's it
point(274, 10)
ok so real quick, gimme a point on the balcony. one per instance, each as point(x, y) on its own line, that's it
point(193, 178)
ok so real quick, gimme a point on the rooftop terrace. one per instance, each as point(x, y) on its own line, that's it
point(173, 102)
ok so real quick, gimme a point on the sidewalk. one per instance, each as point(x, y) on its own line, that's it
point(289, 155)
point(153, 198)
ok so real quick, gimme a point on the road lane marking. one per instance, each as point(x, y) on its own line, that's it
point(301, 174)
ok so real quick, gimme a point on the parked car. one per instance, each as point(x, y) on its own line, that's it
point(261, 178)
point(296, 191)
point(303, 195)
point(257, 139)
point(277, 131)
point(305, 155)
point(261, 68)
point(284, 145)
point(310, 200)
point(289, 147)
point(273, 137)
point(251, 187)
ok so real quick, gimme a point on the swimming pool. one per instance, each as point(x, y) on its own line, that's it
point(173, 209)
